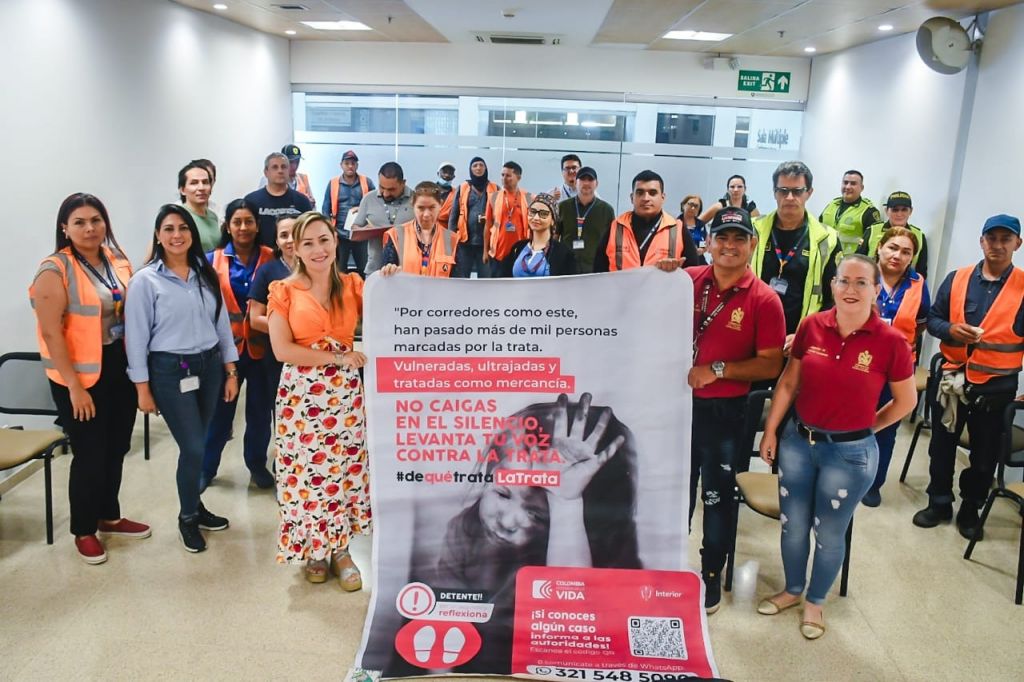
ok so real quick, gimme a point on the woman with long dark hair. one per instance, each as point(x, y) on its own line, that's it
point(735, 196)
point(236, 261)
point(78, 295)
point(179, 351)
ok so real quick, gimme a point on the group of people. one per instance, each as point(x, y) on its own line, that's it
point(829, 310)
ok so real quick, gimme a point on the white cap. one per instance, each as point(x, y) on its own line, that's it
point(445, 163)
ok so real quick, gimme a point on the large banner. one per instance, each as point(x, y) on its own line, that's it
point(529, 457)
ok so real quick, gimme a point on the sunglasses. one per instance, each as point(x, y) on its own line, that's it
point(792, 191)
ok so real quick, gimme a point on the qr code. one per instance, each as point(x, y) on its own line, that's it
point(657, 637)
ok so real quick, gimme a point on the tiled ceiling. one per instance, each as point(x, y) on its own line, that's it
point(759, 27)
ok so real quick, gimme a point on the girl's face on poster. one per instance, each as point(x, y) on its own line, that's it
point(514, 515)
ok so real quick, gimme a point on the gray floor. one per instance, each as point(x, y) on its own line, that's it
point(916, 609)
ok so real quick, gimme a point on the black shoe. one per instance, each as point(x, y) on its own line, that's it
point(712, 591)
point(190, 535)
point(931, 516)
point(872, 498)
point(967, 521)
point(204, 482)
point(209, 521)
point(263, 479)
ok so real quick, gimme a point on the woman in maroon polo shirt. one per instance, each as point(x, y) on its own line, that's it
point(828, 456)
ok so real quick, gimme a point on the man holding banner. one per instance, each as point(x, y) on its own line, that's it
point(738, 332)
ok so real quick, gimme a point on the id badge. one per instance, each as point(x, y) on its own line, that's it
point(509, 227)
point(577, 244)
point(779, 285)
point(117, 331)
point(189, 384)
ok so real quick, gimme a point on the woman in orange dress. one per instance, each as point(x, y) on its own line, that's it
point(322, 479)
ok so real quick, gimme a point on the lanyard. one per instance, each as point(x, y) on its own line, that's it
point(112, 283)
point(510, 208)
point(783, 261)
point(527, 258)
point(390, 217)
point(649, 235)
point(582, 219)
point(424, 251)
point(705, 317)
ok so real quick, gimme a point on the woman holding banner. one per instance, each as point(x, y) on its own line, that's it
point(541, 255)
point(421, 246)
point(322, 479)
point(840, 361)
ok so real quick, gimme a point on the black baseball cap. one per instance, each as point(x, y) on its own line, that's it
point(586, 172)
point(732, 218)
point(291, 151)
point(349, 155)
point(899, 199)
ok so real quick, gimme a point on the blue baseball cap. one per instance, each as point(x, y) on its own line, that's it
point(1007, 222)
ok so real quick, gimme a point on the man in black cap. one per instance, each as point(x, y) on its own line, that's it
point(898, 208)
point(344, 192)
point(582, 219)
point(296, 180)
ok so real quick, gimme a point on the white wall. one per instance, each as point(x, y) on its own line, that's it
point(879, 109)
point(545, 68)
point(994, 165)
point(114, 100)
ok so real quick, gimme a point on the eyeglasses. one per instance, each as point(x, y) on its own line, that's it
point(794, 191)
point(846, 283)
point(538, 213)
point(692, 204)
point(571, 169)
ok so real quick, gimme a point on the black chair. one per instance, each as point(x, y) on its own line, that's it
point(930, 392)
point(25, 390)
point(1011, 453)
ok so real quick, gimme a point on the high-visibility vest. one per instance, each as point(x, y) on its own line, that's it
point(1001, 351)
point(364, 186)
point(302, 187)
point(501, 240)
point(905, 321)
point(624, 253)
point(464, 192)
point(243, 334)
point(446, 210)
point(874, 234)
point(822, 240)
point(442, 250)
point(850, 225)
point(83, 314)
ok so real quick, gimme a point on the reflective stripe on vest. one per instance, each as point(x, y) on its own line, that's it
point(404, 236)
point(364, 187)
point(82, 317)
point(302, 185)
point(624, 253)
point(905, 321)
point(822, 241)
point(875, 233)
point(243, 334)
point(1001, 352)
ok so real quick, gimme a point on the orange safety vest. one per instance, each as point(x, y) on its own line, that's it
point(442, 250)
point(624, 253)
point(464, 192)
point(83, 315)
point(1001, 352)
point(302, 186)
point(905, 321)
point(335, 188)
point(446, 210)
point(240, 329)
point(501, 240)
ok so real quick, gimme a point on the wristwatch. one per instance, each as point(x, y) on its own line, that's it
point(718, 367)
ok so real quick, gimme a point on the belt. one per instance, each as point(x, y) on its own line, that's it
point(813, 436)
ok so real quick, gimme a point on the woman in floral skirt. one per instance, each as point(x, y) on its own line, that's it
point(322, 479)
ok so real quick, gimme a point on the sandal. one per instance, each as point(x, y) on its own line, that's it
point(771, 606)
point(316, 570)
point(349, 577)
point(811, 630)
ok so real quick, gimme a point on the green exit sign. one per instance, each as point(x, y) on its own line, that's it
point(765, 81)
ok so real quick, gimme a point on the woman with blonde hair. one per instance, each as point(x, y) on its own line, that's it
point(322, 478)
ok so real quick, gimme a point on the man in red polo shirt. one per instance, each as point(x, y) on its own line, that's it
point(738, 332)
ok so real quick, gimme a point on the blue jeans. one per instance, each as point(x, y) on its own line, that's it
point(469, 258)
point(714, 444)
point(820, 487)
point(187, 414)
point(258, 419)
point(886, 439)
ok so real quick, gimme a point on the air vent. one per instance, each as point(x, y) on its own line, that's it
point(292, 8)
point(517, 40)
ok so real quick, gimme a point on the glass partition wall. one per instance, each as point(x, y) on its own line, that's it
point(695, 148)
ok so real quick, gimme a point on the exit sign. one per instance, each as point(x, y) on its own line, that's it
point(764, 81)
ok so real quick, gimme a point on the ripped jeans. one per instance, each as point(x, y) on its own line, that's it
point(714, 446)
point(820, 487)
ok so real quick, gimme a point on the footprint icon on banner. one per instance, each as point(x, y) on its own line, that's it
point(423, 642)
point(454, 641)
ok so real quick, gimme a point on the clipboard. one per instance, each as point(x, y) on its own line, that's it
point(365, 233)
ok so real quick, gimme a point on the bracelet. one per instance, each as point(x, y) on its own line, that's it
point(231, 372)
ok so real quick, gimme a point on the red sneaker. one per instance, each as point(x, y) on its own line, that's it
point(125, 527)
point(90, 549)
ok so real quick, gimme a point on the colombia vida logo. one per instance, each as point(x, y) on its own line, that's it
point(864, 362)
point(566, 590)
point(736, 320)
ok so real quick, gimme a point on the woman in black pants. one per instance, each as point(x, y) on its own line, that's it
point(78, 295)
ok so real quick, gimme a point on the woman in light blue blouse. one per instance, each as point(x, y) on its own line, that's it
point(179, 348)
